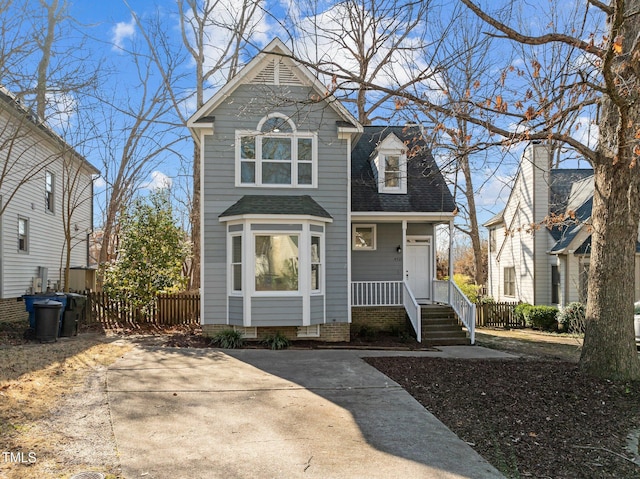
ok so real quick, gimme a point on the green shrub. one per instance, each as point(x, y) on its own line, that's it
point(543, 317)
point(521, 312)
point(228, 339)
point(276, 341)
point(466, 285)
point(364, 331)
point(572, 317)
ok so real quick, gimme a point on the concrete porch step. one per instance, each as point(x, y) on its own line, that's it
point(440, 327)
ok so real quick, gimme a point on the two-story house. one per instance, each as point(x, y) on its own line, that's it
point(44, 184)
point(307, 216)
point(540, 244)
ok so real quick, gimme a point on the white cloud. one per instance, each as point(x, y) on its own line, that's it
point(60, 108)
point(122, 31)
point(99, 182)
point(158, 181)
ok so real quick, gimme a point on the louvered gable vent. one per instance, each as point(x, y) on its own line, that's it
point(276, 72)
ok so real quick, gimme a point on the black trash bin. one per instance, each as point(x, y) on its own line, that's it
point(73, 315)
point(47, 317)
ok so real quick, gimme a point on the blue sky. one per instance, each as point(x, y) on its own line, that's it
point(110, 25)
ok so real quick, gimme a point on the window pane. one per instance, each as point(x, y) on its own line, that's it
point(236, 246)
point(247, 172)
point(304, 149)
point(276, 125)
point(315, 249)
point(248, 147)
point(276, 173)
point(237, 277)
point(315, 277)
point(304, 174)
point(276, 263)
point(363, 238)
point(276, 149)
point(393, 163)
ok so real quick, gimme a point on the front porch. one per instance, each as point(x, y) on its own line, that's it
point(395, 294)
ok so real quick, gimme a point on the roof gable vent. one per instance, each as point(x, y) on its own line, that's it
point(276, 72)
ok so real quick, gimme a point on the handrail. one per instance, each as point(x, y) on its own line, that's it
point(413, 310)
point(465, 309)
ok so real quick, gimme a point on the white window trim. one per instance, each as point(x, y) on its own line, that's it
point(53, 192)
point(294, 135)
point(374, 237)
point(304, 259)
point(27, 235)
point(504, 281)
point(402, 163)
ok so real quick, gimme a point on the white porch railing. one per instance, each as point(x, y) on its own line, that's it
point(376, 293)
point(388, 293)
point(448, 292)
point(413, 310)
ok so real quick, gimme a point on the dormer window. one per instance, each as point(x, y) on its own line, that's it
point(390, 166)
point(276, 154)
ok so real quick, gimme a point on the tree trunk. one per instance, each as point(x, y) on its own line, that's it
point(609, 347)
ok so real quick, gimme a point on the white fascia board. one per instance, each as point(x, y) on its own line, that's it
point(391, 216)
point(275, 219)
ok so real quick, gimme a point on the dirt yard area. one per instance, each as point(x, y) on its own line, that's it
point(53, 408)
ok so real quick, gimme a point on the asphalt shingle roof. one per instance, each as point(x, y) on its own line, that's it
point(560, 186)
point(427, 191)
point(276, 205)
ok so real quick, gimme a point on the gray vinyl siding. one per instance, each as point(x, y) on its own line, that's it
point(384, 263)
point(236, 309)
point(243, 111)
point(46, 242)
point(317, 309)
point(419, 229)
point(276, 311)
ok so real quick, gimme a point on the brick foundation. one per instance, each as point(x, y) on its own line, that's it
point(13, 310)
point(330, 332)
point(379, 318)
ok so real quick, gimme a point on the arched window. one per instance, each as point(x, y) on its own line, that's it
point(276, 154)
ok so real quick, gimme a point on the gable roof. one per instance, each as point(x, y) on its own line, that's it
point(426, 188)
point(273, 205)
point(561, 184)
point(260, 68)
point(9, 99)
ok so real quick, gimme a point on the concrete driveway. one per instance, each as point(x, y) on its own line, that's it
point(193, 413)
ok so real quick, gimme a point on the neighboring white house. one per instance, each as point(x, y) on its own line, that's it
point(40, 176)
point(307, 214)
point(534, 263)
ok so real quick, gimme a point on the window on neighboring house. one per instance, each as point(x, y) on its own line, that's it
point(276, 155)
point(236, 263)
point(23, 234)
point(276, 262)
point(49, 190)
point(583, 275)
point(492, 240)
point(555, 285)
point(510, 281)
point(316, 264)
point(364, 237)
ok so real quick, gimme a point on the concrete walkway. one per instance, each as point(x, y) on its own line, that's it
point(194, 413)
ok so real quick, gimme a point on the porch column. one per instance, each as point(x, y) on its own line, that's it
point(450, 259)
point(404, 250)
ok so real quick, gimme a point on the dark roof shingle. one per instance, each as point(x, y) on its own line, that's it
point(426, 188)
point(276, 205)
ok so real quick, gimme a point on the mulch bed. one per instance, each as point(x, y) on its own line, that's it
point(529, 418)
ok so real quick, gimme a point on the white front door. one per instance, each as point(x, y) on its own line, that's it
point(419, 266)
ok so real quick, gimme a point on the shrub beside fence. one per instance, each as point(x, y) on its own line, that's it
point(498, 315)
point(168, 309)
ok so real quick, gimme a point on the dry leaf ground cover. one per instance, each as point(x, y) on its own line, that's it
point(52, 405)
point(532, 417)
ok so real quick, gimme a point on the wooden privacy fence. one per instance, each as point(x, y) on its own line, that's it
point(499, 315)
point(169, 309)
